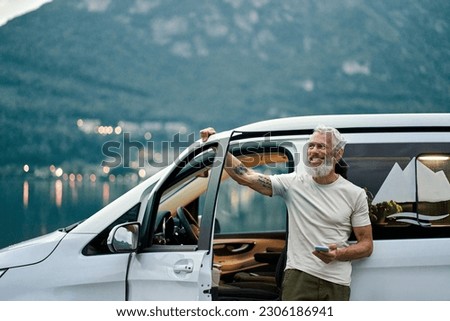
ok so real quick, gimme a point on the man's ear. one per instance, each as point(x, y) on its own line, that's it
point(338, 154)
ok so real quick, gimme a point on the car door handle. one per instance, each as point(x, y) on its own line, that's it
point(183, 266)
point(242, 248)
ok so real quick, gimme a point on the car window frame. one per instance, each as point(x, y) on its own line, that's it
point(172, 177)
point(260, 148)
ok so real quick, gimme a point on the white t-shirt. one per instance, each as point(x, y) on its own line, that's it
point(320, 215)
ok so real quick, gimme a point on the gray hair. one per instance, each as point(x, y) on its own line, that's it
point(337, 140)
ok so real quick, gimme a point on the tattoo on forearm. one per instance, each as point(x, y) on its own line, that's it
point(240, 170)
point(265, 181)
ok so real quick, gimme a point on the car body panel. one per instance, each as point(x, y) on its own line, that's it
point(67, 274)
point(403, 270)
point(360, 122)
point(31, 251)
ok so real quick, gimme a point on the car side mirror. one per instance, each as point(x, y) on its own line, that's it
point(124, 238)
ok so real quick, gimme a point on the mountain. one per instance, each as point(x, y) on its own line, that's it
point(194, 63)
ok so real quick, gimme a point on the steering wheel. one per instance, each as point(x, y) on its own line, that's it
point(189, 223)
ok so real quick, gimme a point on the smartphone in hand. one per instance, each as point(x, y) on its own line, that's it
point(322, 248)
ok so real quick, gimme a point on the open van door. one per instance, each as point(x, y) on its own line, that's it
point(173, 260)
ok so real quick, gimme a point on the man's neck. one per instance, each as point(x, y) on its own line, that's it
point(328, 179)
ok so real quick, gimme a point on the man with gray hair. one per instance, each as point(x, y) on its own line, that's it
point(324, 209)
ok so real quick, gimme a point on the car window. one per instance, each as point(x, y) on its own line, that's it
point(181, 200)
point(407, 185)
point(433, 194)
point(242, 210)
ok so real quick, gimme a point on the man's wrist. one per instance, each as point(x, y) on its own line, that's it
point(339, 254)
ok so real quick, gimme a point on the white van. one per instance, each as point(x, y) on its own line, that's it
point(190, 233)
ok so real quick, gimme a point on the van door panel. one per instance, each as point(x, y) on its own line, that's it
point(179, 272)
point(403, 270)
point(164, 276)
point(239, 254)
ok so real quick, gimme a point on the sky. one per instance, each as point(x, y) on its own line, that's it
point(10, 9)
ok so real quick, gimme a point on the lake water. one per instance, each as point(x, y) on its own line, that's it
point(31, 208)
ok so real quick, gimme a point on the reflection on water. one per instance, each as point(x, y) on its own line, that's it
point(33, 207)
point(58, 192)
point(105, 194)
point(26, 194)
point(73, 190)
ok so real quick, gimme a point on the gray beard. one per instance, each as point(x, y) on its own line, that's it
point(319, 171)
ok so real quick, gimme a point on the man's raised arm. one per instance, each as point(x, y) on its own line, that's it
point(239, 172)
